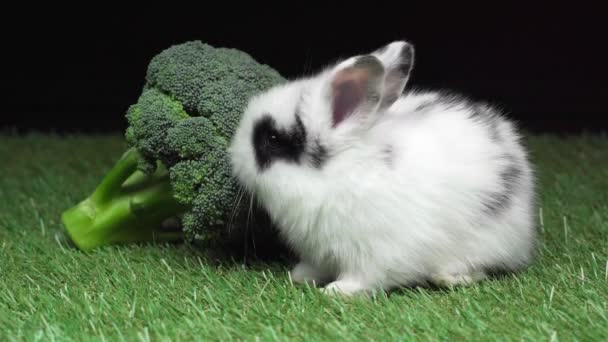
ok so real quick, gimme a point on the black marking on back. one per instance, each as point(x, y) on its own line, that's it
point(494, 132)
point(479, 111)
point(453, 99)
point(272, 143)
point(447, 99)
point(493, 202)
point(510, 177)
point(482, 113)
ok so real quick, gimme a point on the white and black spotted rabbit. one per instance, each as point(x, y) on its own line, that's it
point(375, 188)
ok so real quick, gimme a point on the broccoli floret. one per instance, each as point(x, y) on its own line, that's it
point(178, 131)
point(194, 137)
point(205, 185)
point(149, 122)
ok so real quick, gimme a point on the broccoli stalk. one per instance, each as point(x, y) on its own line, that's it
point(178, 131)
point(127, 206)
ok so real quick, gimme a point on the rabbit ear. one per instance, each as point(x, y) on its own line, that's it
point(398, 61)
point(356, 88)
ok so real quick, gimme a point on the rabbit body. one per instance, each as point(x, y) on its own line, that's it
point(374, 188)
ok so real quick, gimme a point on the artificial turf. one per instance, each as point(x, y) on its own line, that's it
point(51, 291)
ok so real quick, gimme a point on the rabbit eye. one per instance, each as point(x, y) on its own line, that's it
point(274, 141)
point(272, 144)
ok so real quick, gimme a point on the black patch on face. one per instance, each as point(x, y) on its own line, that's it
point(509, 177)
point(318, 155)
point(271, 143)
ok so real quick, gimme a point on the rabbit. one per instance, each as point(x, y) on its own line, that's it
point(377, 187)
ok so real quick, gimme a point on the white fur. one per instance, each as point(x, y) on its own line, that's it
point(366, 224)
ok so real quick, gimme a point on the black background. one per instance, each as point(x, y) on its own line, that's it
point(78, 68)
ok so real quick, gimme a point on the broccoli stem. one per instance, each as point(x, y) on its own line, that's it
point(127, 206)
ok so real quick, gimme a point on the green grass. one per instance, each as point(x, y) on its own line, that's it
point(50, 291)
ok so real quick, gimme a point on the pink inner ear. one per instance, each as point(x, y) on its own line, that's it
point(348, 92)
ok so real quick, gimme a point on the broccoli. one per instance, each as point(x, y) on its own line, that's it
point(177, 163)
